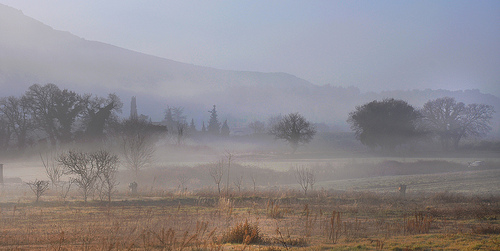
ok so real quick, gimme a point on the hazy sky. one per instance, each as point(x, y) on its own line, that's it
point(374, 45)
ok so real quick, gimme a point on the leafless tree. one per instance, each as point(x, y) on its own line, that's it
point(87, 168)
point(254, 181)
point(38, 187)
point(238, 182)
point(229, 156)
point(181, 128)
point(138, 143)
point(183, 180)
point(305, 178)
point(257, 126)
point(107, 164)
point(451, 121)
point(85, 173)
point(54, 172)
point(216, 171)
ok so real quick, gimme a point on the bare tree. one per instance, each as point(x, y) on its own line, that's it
point(254, 181)
point(183, 180)
point(257, 126)
point(451, 121)
point(107, 164)
point(181, 128)
point(138, 143)
point(229, 156)
point(38, 187)
point(238, 182)
point(54, 172)
point(305, 178)
point(216, 171)
point(294, 129)
point(87, 168)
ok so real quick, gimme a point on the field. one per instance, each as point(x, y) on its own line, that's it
point(354, 205)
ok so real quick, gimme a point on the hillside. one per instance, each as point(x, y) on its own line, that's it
point(33, 52)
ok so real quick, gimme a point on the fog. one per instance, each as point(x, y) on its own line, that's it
point(320, 59)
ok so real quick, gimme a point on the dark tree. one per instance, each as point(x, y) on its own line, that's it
point(55, 110)
point(294, 129)
point(99, 113)
point(41, 102)
point(450, 121)
point(224, 130)
point(385, 124)
point(5, 133)
point(213, 123)
point(18, 118)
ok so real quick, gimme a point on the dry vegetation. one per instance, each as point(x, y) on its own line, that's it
point(261, 220)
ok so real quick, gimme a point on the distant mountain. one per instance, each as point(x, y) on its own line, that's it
point(32, 52)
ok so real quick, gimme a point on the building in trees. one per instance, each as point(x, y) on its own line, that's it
point(294, 129)
point(385, 124)
point(213, 123)
point(450, 121)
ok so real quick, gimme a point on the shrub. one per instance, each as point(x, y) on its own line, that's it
point(244, 233)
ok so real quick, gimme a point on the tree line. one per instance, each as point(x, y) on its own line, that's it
point(390, 123)
point(46, 114)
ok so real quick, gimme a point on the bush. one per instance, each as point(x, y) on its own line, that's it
point(244, 233)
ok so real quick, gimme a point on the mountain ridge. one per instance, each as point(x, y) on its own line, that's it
point(33, 52)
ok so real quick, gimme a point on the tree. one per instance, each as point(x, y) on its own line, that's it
point(38, 187)
point(55, 110)
point(213, 123)
point(294, 129)
point(107, 163)
point(451, 121)
point(138, 143)
point(203, 128)
point(385, 124)
point(88, 168)
point(18, 118)
point(54, 172)
point(305, 177)
point(192, 127)
point(99, 113)
point(83, 168)
point(224, 130)
point(181, 128)
point(216, 171)
point(257, 126)
point(41, 102)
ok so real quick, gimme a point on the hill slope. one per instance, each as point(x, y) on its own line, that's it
point(32, 52)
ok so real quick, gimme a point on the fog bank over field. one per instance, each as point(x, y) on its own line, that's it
point(33, 52)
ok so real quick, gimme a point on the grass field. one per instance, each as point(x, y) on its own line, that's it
point(354, 205)
point(256, 221)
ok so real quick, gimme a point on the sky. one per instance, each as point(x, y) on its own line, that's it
point(372, 45)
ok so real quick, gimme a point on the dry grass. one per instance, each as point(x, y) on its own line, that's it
point(272, 221)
